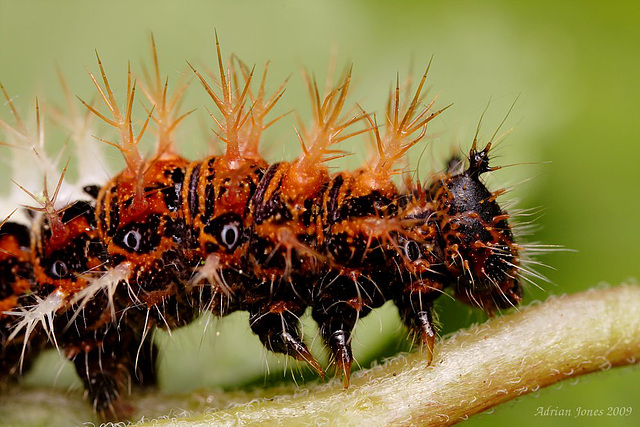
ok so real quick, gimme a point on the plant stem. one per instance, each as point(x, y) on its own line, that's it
point(474, 369)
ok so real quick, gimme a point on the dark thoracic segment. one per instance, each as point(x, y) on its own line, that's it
point(480, 252)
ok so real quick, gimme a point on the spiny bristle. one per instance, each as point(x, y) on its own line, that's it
point(403, 131)
point(260, 107)
point(4, 221)
point(328, 129)
point(528, 274)
point(232, 107)
point(20, 129)
point(210, 273)
point(21, 137)
point(108, 283)
point(58, 230)
point(495, 139)
point(28, 148)
point(329, 124)
point(30, 317)
point(128, 145)
point(167, 116)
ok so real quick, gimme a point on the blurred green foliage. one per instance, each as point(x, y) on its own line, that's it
point(574, 65)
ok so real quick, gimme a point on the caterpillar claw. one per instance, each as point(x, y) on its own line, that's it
point(299, 351)
point(426, 333)
point(341, 350)
point(277, 327)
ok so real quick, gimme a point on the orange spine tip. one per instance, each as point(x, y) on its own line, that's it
point(167, 116)
point(128, 145)
point(328, 129)
point(260, 107)
point(243, 111)
point(47, 207)
point(230, 106)
point(403, 131)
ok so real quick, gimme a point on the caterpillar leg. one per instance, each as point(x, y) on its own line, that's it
point(104, 367)
point(277, 325)
point(336, 325)
point(337, 307)
point(416, 308)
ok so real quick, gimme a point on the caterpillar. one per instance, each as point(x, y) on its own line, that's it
point(167, 238)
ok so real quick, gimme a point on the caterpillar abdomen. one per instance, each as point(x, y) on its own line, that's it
point(167, 238)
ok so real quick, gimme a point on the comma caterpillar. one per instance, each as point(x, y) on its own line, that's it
point(167, 238)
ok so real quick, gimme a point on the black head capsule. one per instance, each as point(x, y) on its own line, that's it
point(479, 249)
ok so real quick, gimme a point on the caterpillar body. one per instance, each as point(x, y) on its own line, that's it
point(167, 238)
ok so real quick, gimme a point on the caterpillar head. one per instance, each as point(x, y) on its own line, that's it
point(479, 250)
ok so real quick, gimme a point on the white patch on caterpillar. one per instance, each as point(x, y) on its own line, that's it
point(108, 283)
point(42, 312)
point(210, 271)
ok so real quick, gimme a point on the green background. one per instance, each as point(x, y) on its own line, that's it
point(574, 65)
